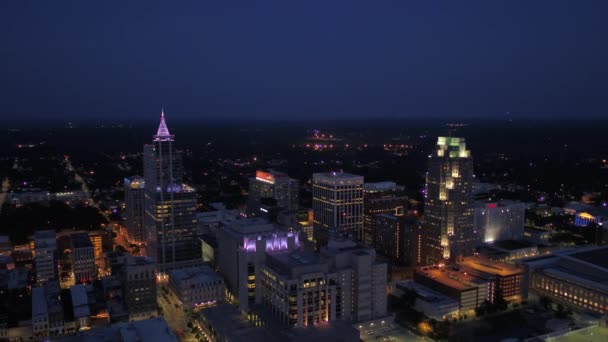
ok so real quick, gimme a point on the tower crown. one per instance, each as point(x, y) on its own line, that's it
point(163, 131)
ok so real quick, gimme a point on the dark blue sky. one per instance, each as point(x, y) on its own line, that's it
point(303, 59)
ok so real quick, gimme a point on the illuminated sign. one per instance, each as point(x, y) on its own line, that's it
point(491, 205)
point(264, 177)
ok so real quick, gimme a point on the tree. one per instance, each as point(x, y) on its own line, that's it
point(545, 302)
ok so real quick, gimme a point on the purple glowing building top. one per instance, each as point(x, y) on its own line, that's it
point(163, 134)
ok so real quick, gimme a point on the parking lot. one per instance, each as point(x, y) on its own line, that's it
point(386, 331)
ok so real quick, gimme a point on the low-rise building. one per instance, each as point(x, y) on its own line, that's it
point(537, 236)
point(506, 280)
point(47, 310)
point(197, 286)
point(432, 303)
point(508, 250)
point(577, 278)
point(468, 291)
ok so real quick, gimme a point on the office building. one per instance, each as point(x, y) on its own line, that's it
point(448, 204)
point(361, 280)
point(470, 292)
point(271, 184)
point(134, 209)
point(537, 236)
point(148, 330)
point(83, 258)
point(242, 247)
point(45, 256)
point(380, 198)
point(394, 237)
point(505, 280)
point(498, 221)
point(576, 278)
point(170, 206)
point(80, 306)
point(139, 279)
point(299, 289)
point(197, 286)
point(337, 203)
point(432, 303)
point(47, 311)
point(508, 250)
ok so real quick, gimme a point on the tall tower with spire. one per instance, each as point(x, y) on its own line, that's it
point(170, 205)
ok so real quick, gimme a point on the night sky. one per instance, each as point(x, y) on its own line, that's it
point(303, 59)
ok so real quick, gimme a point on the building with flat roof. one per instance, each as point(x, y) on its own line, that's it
point(432, 303)
point(139, 281)
point(83, 258)
point(45, 256)
point(47, 310)
point(536, 235)
point(80, 306)
point(362, 280)
point(496, 221)
point(577, 278)
point(394, 237)
point(299, 289)
point(226, 323)
point(337, 203)
point(275, 185)
point(197, 286)
point(380, 198)
point(149, 330)
point(504, 279)
point(468, 291)
point(134, 188)
point(509, 250)
point(242, 247)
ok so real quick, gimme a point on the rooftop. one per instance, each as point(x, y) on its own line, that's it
point(598, 257)
point(250, 226)
point(343, 176)
point(491, 267)
point(149, 330)
point(81, 240)
point(512, 244)
point(198, 274)
point(449, 277)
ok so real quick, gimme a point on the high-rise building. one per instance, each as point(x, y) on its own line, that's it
point(83, 258)
point(274, 185)
point(394, 237)
point(499, 221)
point(337, 203)
point(448, 205)
point(134, 209)
point(45, 256)
point(242, 246)
point(361, 280)
point(140, 287)
point(380, 198)
point(170, 206)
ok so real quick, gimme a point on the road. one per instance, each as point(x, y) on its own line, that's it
point(175, 316)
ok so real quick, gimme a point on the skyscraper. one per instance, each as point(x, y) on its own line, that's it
point(448, 204)
point(134, 209)
point(337, 203)
point(272, 184)
point(380, 198)
point(170, 206)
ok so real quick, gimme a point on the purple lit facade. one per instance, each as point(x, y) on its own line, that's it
point(273, 242)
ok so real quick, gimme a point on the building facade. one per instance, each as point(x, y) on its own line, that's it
point(498, 221)
point(337, 202)
point(394, 237)
point(242, 247)
point(45, 256)
point(83, 258)
point(134, 209)
point(275, 185)
point(380, 198)
point(448, 206)
point(197, 286)
point(139, 279)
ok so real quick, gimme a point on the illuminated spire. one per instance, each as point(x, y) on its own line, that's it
point(163, 131)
